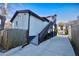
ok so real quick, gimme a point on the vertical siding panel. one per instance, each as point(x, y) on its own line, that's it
point(36, 26)
point(22, 21)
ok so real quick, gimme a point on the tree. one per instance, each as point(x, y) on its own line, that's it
point(61, 24)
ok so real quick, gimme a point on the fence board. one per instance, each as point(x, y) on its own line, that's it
point(13, 38)
point(75, 35)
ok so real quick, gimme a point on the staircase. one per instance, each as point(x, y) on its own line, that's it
point(41, 36)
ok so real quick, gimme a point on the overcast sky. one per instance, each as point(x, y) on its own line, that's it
point(65, 12)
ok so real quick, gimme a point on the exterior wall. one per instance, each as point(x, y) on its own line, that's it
point(36, 26)
point(2, 21)
point(7, 25)
point(21, 21)
point(44, 35)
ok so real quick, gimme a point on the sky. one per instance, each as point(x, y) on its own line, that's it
point(65, 11)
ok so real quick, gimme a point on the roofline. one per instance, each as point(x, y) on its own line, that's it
point(45, 19)
point(26, 11)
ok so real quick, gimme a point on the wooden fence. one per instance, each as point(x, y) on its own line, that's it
point(11, 38)
point(75, 36)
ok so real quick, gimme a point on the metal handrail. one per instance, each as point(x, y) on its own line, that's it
point(43, 33)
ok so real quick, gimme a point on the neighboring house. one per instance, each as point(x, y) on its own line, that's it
point(28, 20)
point(62, 28)
point(7, 25)
point(2, 22)
point(61, 31)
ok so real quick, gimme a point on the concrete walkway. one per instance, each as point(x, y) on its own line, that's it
point(56, 46)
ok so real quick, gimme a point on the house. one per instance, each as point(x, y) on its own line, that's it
point(28, 20)
point(27, 27)
point(7, 25)
point(48, 32)
point(62, 28)
point(35, 25)
point(2, 22)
